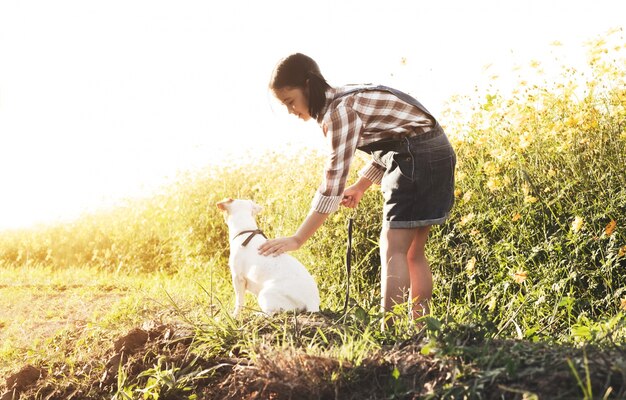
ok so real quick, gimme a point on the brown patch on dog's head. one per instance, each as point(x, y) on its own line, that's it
point(222, 204)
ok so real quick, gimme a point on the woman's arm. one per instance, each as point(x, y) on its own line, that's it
point(278, 246)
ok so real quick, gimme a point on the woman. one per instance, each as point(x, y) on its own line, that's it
point(412, 160)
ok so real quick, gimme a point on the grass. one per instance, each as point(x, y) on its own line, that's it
point(530, 273)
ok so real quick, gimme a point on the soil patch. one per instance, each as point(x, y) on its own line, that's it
point(30, 314)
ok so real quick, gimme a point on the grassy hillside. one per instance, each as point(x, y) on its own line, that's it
point(530, 271)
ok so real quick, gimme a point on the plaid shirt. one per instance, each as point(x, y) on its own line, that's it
point(355, 120)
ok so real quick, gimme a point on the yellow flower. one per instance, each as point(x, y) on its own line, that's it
point(573, 121)
point(491, 168)
point(492, 304)
point(577, 224)
point(468, 196)
point(622, 251)
point(525, 140)
point(471, 265)
point(467, 218)
point(457, 192)
point(494, 184)
point(516, 217)
point(610, 228)
point(530, 199)
point(623, 304)
point(520, 276)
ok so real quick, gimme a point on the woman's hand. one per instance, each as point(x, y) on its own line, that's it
point(352, 195)
point(278, 246)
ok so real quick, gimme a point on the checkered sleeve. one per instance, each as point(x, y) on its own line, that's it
point(342, 128)
point(373, 172)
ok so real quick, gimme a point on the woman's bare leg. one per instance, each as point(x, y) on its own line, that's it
point(405, 270)
point(420, 275)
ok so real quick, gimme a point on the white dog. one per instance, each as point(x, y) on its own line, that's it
point(280, 283)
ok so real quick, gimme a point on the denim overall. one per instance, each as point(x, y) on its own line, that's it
point(418, 183)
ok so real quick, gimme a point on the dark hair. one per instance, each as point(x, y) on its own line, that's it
point(294, 71)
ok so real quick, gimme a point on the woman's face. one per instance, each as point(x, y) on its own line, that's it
point(296, 101)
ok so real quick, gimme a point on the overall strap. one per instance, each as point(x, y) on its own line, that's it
point(401, 95)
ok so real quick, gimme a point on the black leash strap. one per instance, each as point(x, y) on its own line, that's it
point(348, 265)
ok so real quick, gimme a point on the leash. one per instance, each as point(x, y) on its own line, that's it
point(348, 263)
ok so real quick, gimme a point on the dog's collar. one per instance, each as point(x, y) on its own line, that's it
point(252, 232)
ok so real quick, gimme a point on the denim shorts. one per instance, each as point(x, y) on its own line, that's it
point(418, 183)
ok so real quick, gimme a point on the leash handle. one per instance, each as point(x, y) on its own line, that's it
point(348, 264)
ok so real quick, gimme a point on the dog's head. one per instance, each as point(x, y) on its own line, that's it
point(236, 206)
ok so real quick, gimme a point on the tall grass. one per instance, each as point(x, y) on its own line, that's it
point(535, 248)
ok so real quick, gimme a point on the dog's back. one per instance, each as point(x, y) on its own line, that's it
point(281, 283)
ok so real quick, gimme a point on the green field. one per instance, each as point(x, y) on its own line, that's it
point(529, 272)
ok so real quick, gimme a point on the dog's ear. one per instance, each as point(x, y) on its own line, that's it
point(256, 208)
point(222, 204)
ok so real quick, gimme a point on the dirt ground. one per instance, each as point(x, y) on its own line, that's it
point(30, 314)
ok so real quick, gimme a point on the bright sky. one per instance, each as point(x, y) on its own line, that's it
point(102, 100)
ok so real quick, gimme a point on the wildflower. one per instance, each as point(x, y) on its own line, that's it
point(525, 140)
point(467, 218)
point(471, 265)
point(573, 121)
point(610, 228)
point(474, 232)
point(622, 251)
point(459, 176)
point(457, 193)
point(520, 276)
point(516, 217)
point(623, 304)
point(492, 304)
point(494, 184)
point(530, 199)
point(468, 196)
point(491, 168)
point(577, 224)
